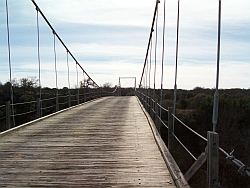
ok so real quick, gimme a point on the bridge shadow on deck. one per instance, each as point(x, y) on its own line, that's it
point(104, 143)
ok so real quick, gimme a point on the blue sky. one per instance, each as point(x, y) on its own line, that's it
point(109, 39)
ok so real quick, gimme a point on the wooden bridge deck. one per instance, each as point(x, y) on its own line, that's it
point(105, 143)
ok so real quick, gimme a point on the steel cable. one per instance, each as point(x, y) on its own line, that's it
point(38, 51)
point(156, 38)
point(23, 103)
point(77, 80)
point(197, 134)
point(39, 59)
point(55, 59)
point(9, 58)
point(150, 62)
point(176, 55)
point(189, 152)
point(49, 99)
point(83, 76)
point(68, 77)
point(48, 23)
point(162, 107)
point(25, 113)
point(216, 95)
point(163, 50)
point(150, 36)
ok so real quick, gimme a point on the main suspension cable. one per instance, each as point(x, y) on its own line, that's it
point(156, 38)
point(150, 64)
point(58, 37)
point(150, 36)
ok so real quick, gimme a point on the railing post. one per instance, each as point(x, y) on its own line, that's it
point(41, 108)
point(150, 107)
point(157, 123)
point(148, 104)
point(212, 159)
point(8, 115)
point(38, 108)
point(85, 97)
point(78, 99)
point(142, 98)
point(89, 98)
point(57, 103)
point(69, 100)
point(119, 91)
point(170, 129)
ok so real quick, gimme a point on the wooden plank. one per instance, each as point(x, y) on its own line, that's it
point(212, 159)
point(106, 143)
point(196, 166)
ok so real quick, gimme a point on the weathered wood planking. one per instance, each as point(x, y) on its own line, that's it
point(105, 143)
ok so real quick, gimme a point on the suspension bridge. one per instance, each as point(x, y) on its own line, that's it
point(95, 137)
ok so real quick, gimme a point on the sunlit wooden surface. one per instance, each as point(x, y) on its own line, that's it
point(105, 143)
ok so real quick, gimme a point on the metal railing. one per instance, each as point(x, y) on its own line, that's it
point(154, 109)
point(27, 105)
point(3, 116)
point(28, 111)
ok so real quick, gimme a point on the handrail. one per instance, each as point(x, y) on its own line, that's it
point(22, 103)
point(63, 103)
point(25, 113)
point(162, 107)
point(45, 108)
point(2, 118)
point(63, 96)
point(243, 169)
point(48, 99)
point(187, 150)
point(162, 122)
point(197, 134)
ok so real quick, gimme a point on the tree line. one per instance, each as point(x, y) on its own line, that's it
point(195, 108)
point(26, 91)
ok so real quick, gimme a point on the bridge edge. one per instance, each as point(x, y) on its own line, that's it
point(174, 169)
point(9, 131)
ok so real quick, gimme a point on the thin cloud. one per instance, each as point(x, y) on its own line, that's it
point(109, 39)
